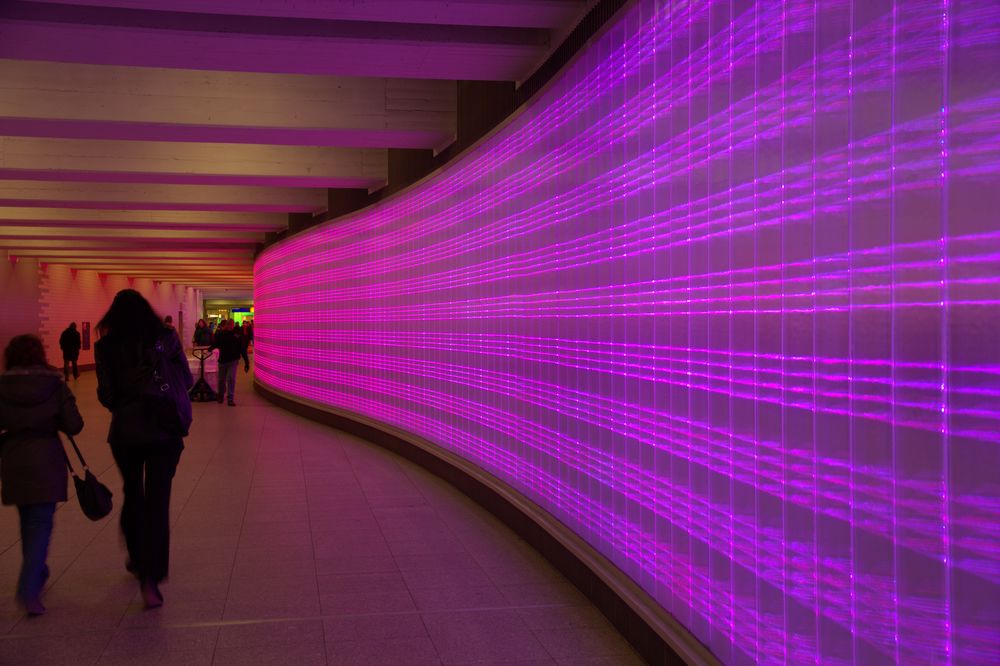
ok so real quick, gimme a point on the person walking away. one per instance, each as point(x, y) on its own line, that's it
point(69, 343)
point(146, 434)
point(231, 348)
point(34, 407)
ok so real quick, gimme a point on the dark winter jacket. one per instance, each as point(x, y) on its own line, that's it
point(69, 343)
point(119, 379)
point(202, 337)
point(35, 404)
point(231, 346)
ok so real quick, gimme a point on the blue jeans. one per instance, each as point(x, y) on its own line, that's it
point(36, 530)
point(227, 379)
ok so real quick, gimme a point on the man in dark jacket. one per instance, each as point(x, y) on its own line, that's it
point(34, 407)
point(69, 343)
point(231, 347)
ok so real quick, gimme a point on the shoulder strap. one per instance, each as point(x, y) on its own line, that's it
point(78, 455)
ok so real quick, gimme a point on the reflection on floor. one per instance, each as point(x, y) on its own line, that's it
point(297, 544)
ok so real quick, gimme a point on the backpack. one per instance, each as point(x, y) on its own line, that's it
point(162, 393)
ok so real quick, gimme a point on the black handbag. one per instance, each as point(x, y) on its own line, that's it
point(94, 496)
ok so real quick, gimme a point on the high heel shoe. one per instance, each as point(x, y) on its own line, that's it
point(151, 595)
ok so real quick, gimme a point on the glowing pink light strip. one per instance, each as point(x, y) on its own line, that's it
point(724, 300)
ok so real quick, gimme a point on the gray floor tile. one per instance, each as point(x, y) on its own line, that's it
point(142, 641)
point(179, 658)
point(418, 651)
point(356, 562)
point(493, 635)
point(75, 648)
point(422, 579)
point(175, 610)
point(458, 598)
point(375, 627)
point(275, 633)
point(278, 655)
point(574, 644)
point(549, 594)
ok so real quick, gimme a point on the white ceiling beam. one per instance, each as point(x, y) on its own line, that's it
point(208, 268)
point(160, 268)
point(191, 163)
point(185, 270)
point(137, 235)
point(139, 103)
point(155, 270)
point(127, 196)
point(462, 54)
point(183, 278)
point(107, 251)
point(151, 269)
point(134, 219)
point(34, 247)
point(119, 252)
point(514, 13)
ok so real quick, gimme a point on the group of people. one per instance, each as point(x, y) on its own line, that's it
point(204, 332)
point(232, 341)
point(36, 404)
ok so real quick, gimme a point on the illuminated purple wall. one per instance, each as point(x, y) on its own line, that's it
point(725, 300)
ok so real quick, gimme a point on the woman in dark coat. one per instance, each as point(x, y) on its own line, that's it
point(35, 404)
point(146, 442)
point(202, 334)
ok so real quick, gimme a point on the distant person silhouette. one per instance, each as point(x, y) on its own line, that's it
point(231, 347)
point(70, 343)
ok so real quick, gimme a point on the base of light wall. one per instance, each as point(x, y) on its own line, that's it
point(653, 632)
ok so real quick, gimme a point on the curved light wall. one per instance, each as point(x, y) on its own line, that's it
point(725, 300)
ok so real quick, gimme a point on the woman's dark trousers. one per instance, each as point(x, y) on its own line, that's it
point(70, 361)
point(147, 472)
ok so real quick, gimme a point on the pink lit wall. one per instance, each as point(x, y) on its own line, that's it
point(725, 300)
point(44, 298)
point(18, 298)
point(70, 295)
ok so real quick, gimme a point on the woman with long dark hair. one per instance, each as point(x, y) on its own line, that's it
point(202, 334)
point(136, 356)
point(35, 404)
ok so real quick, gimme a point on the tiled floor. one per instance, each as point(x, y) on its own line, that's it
point(297, 544)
